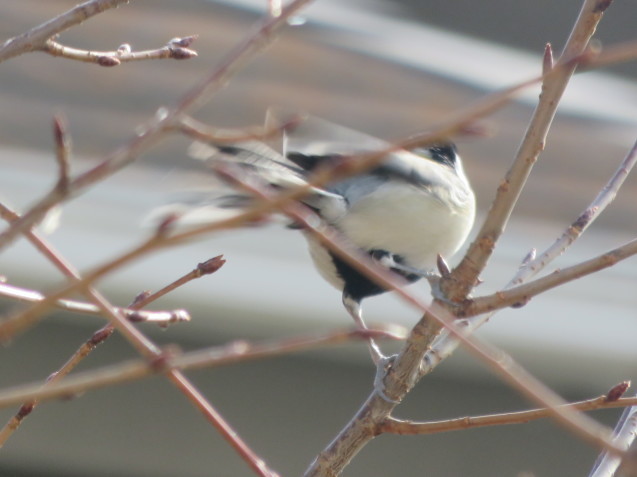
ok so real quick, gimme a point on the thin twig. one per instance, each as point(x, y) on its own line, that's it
point(148, 350)
point(584, 220)
point(10, 291)
point(36, 37)
point(161, 317)
point(123, 54)
point(523, 293)
point(205, 268)
point(466, 274)
point(399, 426)
point(211, 357)
point(208, 267)
point(532, 265)
point(27, 407)
point(135, 314)
point(156, 129)
point(157, 359)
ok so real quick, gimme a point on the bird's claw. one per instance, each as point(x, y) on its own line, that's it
point(382, 366)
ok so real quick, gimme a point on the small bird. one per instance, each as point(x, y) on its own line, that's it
point(403, 213)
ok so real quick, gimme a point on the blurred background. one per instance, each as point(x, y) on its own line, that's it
point(388, 68)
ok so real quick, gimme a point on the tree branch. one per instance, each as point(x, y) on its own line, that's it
point(155, 129)
point(101, 335)
point(466, 274)
point(402, 427)
point(520, 295)
point(148, 350)
point(172, 50)
point(445, 344)
point(161, 317)
point(523, 293)
point(36, 38)
point(236, 352)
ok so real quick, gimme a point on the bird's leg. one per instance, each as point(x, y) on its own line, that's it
point(381, 361)
point(355, 310)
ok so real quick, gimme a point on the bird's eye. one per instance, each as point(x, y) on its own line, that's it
point(444, 154)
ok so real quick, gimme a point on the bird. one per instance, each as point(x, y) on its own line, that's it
point(412, 207)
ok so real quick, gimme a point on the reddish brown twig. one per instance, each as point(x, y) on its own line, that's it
point(398, 426)
point(236, 352)
point(156, 128)
point(46, 249)
point(464, 277)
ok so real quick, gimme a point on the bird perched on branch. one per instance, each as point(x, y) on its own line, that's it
point(403, 212)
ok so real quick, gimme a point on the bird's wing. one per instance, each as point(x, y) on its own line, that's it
point(262, 162)
point(313, 142)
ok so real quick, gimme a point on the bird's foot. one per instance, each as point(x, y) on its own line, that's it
point(382, 366)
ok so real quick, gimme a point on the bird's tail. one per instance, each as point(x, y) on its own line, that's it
point(263, 160)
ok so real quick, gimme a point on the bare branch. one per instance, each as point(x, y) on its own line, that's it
point(156, 129)
point(398, 426)
point(211, 357)
point(161, 317)
point(123, 54)
point(133, 314)
point(28, 407)
point(523, 293)
point(585, 219)
point(208, 267)
point(466, 273)
point(154, 356)
point(35, 38)
point(532, 265)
